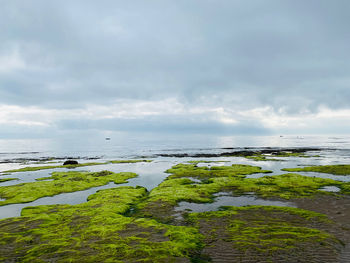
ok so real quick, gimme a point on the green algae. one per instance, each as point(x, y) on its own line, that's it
point(63, 182)
point(107, 229)
point(95, 231)
point(71, 166)
point(339, 169)
point(293, 154)
point(130, 161)
point(192, 170)
point(206, 161)
point(182, 189)
point(38, 168)
point(232, 178)
point(179, 187)
point(285, 186)
point(264, 230)
point(267, 157)
point(306, 214)
point(261, 157)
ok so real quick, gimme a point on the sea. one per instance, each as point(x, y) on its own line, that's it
point(125, 146)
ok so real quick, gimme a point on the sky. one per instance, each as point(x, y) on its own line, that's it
point(222, 67)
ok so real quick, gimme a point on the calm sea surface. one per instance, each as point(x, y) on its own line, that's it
point(132, 146)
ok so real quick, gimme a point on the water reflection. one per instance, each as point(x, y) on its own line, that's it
point(332, 189)
point(223, 199)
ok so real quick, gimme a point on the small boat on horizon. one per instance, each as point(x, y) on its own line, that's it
point(108, 139)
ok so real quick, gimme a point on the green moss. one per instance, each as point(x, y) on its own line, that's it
point(182, 189)
point(63, 182)
point(306, 214)
point(267, 157)
point(258, 156)
point(37, 168)
point(192, 170)
point(178, 188)
point(175, 188)
point(263, 230)
point(130, 161)
point(292, 154)
point(285, 186)
point(261, 157)
point(339, 169)
point(96, 231)
point(205, 161)
point(231, 178)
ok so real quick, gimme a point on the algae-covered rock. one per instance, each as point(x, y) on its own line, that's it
point(192, 170)
point(339, 169)
point(96, 231)
point(63, 182)
point(267, 234)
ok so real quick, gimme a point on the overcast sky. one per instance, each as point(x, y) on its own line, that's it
point(191, 66)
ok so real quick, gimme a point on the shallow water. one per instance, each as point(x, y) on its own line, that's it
point(74, 198)
point(223, 199)
point(332, 189)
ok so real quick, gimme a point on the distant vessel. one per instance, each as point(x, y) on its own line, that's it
point(107, 138)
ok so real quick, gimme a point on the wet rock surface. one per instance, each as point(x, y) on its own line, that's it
point(239, 218)
point(70, 162)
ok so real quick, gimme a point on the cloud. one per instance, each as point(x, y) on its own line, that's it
point(169, 117)
point(206, 62)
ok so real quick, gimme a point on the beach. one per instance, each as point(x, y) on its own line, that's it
point(227, 203)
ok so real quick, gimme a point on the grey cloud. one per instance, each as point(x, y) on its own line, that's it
point(242, 54)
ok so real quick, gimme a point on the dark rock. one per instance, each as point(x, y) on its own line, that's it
point(70, 162)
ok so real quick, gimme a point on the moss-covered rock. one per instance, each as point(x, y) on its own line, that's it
point(285, 186)
point(71, 166)
point(192, 170)
point(179, 187)
point(63, 182)
point(130, 161)
point(268, 234)
point(339, 169)
point(46, 167)
point(96, 231)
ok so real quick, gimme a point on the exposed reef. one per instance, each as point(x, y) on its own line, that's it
point(179, 186)
point(339, 169)
point(267, 234)
point(96, 231)
point(71, 162)
point(63, 182)
point(71, 165)
point(131, 224)
point(272, 152)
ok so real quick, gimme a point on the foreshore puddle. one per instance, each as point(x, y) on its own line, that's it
point(223, 199)
point(14, 210)
point(332, 189)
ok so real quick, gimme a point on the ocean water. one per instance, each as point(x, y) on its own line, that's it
point(124, 146)
point(20, 153)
